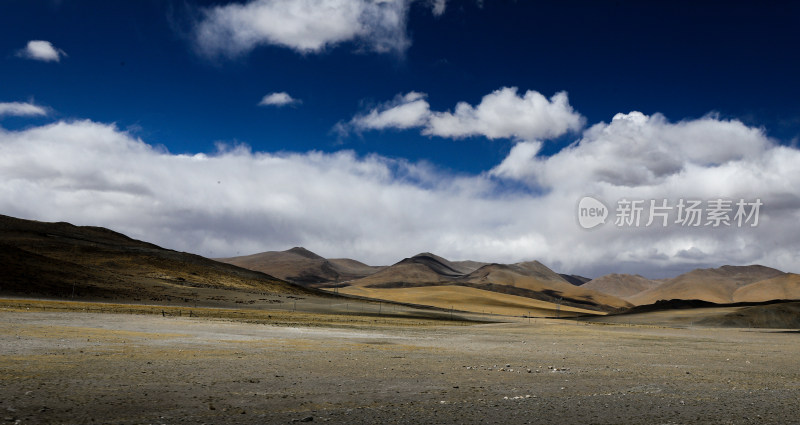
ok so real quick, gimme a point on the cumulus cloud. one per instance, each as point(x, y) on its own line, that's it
point(405, 111)
point(380, 210)
point(505, 114)
point(640, 157)
point(307, 26)
point(500, 114)
point(42, 51)
point(278, 99)
point(635, 149)
point(21, 109)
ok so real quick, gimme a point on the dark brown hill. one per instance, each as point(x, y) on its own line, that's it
point(304, 267)
point(60, 260)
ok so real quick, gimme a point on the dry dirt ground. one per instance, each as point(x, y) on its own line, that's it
point(74, 367)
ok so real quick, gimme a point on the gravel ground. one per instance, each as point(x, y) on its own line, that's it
point(73, 368)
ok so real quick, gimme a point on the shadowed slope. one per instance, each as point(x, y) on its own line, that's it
point(778, 315)
point(575, 279)
point(468, 299)
point(62, 260)
point(691, 313)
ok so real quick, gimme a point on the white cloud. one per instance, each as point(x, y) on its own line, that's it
point(438, 7)
point(20, 109)
point(504, 114)
point(380, 210)
point(649, 158)
point(278, 99)
point(517, 164)
point(307, 26)
point(406, 111)
point(500, 114)
point(42, 51)
point(634, 149)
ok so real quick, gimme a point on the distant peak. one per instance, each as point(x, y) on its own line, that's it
point(531, 263)
point(424, 255)
point(750, 267)
point(299, 250)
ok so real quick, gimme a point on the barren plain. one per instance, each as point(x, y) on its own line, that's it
point(60, 367)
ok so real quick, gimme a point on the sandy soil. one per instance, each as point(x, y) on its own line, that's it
point(68, 367)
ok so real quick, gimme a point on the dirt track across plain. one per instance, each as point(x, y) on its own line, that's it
point(68, 367)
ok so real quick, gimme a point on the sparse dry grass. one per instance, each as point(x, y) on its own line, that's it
point(465, 298)
point(71, 367)
point(272, 317)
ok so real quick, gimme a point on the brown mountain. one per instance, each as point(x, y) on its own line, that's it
point(468, 266)
point(783, 287)
point(527, 279)
point(535, 280)
point(302, 266)
point(621, 285)
point(420, 270)
point(60, 260)
point(714, 285)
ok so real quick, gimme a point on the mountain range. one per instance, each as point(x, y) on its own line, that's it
point(60, 260)
point(405, 279)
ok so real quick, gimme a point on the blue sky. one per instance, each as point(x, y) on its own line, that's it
point(144, 68)
point(133, 63)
